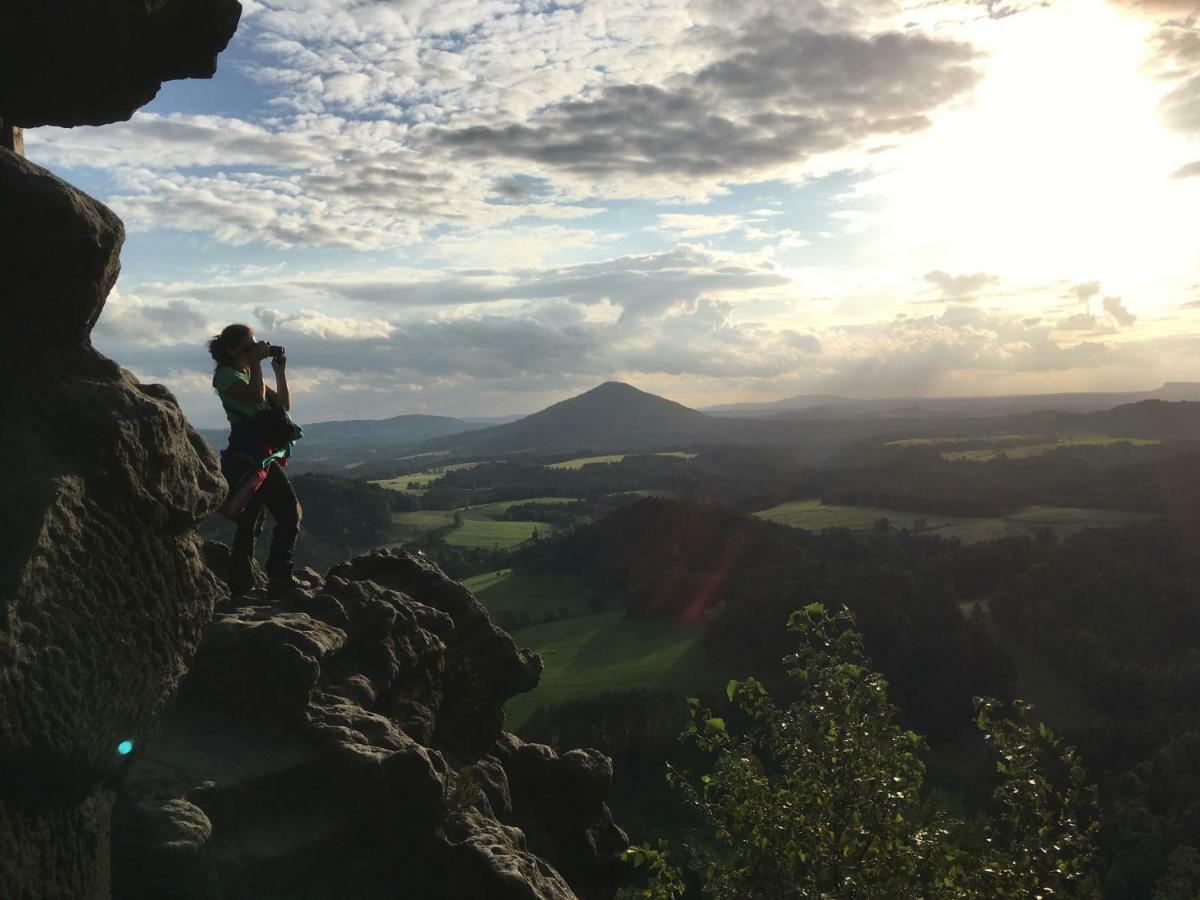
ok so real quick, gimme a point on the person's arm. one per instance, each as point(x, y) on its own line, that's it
point(282, 394)
point(254, 392)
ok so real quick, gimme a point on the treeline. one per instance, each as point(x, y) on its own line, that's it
point(1152, 479)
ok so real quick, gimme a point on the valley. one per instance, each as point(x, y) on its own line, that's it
point(648, 553)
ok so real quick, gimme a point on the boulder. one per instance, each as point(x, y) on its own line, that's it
point(66, 248)
point(74, 62)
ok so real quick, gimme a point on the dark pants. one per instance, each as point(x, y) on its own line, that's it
point(276, 495)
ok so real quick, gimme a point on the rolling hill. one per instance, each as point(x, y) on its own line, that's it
point(613, 416)
point(823, 406)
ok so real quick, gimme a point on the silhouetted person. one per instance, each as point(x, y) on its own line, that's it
point(260, 438)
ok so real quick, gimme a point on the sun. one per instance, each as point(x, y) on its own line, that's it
point(1059, 168)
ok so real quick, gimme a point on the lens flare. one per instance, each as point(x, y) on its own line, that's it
point(125, 747)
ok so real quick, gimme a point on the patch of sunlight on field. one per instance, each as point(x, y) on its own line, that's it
point(589, 655)
point(813, 515)
point(494, 510)
point(422, 480)
point(423, 520)
point(1063, 521)
point(588, 461)
point(507, 595)
point(613, 458)
point(488, 535)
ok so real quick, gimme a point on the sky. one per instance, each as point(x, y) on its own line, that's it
point(480, 208)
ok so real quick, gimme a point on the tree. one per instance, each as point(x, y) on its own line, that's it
point(823, 798)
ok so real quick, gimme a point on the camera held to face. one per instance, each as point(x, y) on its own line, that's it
point(275, 352)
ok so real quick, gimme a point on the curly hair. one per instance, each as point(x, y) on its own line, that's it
point(219, 346)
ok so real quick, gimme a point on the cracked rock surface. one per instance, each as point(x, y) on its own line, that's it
point(348, 741)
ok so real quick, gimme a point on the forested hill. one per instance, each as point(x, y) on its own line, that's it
point(613, 416)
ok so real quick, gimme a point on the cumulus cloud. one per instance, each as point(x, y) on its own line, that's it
point(780, 95)
point(1190, 170)
point(129, 318)
point(1116, 309)
point(1085, 290)
point(959, 287)
point(1175, 60)
point(916, 355)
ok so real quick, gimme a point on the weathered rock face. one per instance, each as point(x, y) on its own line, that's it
point(71, 62)
point(103, 592)
point(322, 747)
point(65, 248)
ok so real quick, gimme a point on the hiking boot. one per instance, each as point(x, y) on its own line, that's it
point(286, 587)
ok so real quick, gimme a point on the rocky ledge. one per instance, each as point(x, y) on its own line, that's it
point(348, 741)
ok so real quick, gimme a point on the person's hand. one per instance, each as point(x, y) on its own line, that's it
point(278, 363)
point(260, 351)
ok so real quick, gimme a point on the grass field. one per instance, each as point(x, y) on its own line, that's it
point(496, 510)
point(503, 592)
point(1083, 440)
point(588, 655)
point(423, 479)
point(488, 535)
point(813, 515)
point(480, 525)
point(613, 458)
point(413, 524)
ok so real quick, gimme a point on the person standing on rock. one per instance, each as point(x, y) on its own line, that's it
point(260, 441)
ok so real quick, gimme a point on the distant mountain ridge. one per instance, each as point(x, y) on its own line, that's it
point(825, 406)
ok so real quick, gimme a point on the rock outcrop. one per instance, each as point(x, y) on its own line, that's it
point(348, 742)
point(103, 591)
point(67, 62)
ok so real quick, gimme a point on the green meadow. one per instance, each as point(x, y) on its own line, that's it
point(421, 479)
point(1028, 450)
point(588, 655)
point(488, 535)
point(496, 510)
point(612, 458)
point(813, 515)
point(535, 595)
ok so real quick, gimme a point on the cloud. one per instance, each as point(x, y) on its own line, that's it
point(129, 318)
point(690, 225)
point(1085, 290)
point(1175, 59)
point(1157, 8)
point(1078, 322)
point(1116, 309)
point(959, 287)
point(641, 287)
point(780, 95)
point(312, 323)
